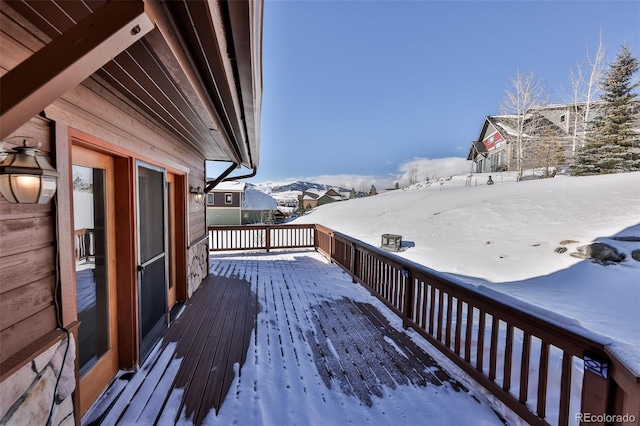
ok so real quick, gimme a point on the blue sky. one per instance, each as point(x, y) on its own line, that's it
point(357, 90)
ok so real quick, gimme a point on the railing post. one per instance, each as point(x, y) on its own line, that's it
point(315, 237)
point(267, 238)
point(352, 263)
point(408, 297)
point(595, 388)
point(332, 244)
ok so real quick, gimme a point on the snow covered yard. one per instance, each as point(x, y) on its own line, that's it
point(503, 239)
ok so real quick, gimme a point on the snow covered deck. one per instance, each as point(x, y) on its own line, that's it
point(286, 338)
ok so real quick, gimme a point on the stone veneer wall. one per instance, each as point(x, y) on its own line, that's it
point(28, 394)
point(198, 264)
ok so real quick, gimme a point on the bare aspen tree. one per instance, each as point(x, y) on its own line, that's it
point(584, 91)
point(576, 79)
point(413, 175)
point(525, 92)
point(596, 64)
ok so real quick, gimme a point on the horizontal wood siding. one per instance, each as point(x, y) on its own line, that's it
point(32, 237)
point(27, 260)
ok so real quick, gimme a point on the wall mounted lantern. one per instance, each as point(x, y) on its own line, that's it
point(25, 176)
point(197, 193)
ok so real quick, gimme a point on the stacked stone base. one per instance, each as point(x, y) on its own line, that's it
point(41, 392)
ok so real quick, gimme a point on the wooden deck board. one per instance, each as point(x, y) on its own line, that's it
point(288, 310)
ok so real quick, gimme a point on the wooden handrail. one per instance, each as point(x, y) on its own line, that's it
point(491, 340)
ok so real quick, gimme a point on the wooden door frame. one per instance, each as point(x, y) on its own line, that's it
point(171, 241)
point(92, 384)
point(126, 241)
point(178, 240)
point(180, 215)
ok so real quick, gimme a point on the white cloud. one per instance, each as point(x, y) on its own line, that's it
point(425, 168)
point(432, 168)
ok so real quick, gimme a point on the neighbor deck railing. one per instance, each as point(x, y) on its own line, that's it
point(516, 355)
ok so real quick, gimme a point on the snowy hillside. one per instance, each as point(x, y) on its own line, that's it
point(504, 237)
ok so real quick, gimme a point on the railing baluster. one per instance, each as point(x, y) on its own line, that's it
point(493, 349)
point(468, 338)
point(447, 338)
point(423, 299)
point(458, 325)
point(440, 312)
point(524, 366)
point(565, 388)
point(543, 370)
point(508, 356)
point(432, 304)
point(480, 351)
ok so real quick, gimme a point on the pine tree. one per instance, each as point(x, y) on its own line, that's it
point(610, 147)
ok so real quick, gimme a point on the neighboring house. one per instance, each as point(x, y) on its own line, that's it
point(224, 204)
point(258, 207)
point(128, 100)
point(330, 196)
point(308, 200)
point(235, 203)
point(311, 199)
point(495, 149)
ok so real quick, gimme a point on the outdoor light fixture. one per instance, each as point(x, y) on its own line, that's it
point(197, 193)
point(26, 177)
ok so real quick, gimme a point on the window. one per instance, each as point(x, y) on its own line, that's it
point(228, 198)
point(210, 199)
point(563, 118)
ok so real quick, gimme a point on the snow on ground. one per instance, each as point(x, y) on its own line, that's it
point(502, 239)
point(280, 382)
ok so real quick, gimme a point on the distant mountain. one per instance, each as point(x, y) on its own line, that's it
point(305, 186)
point(299, 186)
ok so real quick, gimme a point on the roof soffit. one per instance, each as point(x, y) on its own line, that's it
point(199, 96)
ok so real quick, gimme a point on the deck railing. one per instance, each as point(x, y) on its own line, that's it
point(83, 243)
point(259, 237)
point(518, 356)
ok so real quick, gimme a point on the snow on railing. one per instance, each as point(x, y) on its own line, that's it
point(545, 371)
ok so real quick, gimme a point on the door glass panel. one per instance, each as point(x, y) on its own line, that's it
point(89, 208)
point(151, 187)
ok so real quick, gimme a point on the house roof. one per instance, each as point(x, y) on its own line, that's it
point(477, 147)
point(255, 199)
point(193, 66)
point(230, 186)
